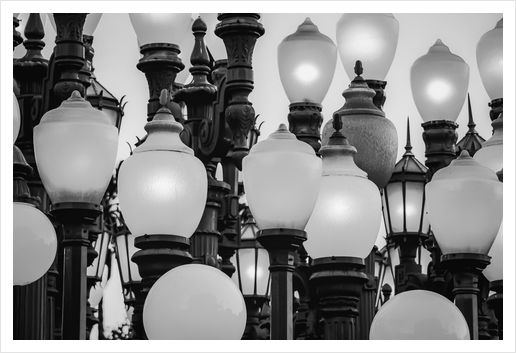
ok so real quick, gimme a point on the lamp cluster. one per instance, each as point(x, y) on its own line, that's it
point(219, 236)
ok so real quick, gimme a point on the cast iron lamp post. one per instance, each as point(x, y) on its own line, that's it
point(275, 172)
point(405, 218)
point(341, 233)
point(465, 209)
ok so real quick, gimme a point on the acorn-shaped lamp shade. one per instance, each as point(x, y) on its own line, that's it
point(491, 153)
point(465, 206)
point(306, 61)
point(162, 185)
point(490, 61)
point(347, 215)
point(369, 37)
point(160, 27)
point(75, 147)
point(439, 82)
point(282, 177)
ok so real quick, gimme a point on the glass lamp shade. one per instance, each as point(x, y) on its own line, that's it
point(491, 153)
point(369, 37)
point(465, 206)
point(101, 247)
point(34, 244)
point(75, 147)
point(306, 62)
point(490, 61)
point(91, 23)
point(346, 218)
point(160, 27)
point(125, 250)
point(437, 318)
point(162, 186)
point(494, 271)
point(282, 177)
point(439, 82)
point(251, 262)
point(194, 302)
point(16, 118)
point(214, 43)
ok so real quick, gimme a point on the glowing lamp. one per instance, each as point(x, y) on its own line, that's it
point(160, 27)
point(306, 61)
point(34, 244)
point(194, 302)
point(490, 61)
point(347, 215)
point(465, 206)
point(75, 147)
point(282, 177)
point(369, 37)
point(439, 82)
point(162, 185)
point(437, 318)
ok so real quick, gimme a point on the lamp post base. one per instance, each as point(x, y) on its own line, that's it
point(466, 269)
point(338, 282)
point(282, 244)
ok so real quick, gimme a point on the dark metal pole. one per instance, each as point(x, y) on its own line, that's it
point(282, 244)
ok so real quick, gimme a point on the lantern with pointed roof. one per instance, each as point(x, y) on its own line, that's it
point(472, 141)
point(404, 213)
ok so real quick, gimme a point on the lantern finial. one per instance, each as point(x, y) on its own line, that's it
point(408, 146)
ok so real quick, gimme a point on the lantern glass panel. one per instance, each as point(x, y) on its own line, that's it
point(125, 250)
point(252, 266)
point(101, 247)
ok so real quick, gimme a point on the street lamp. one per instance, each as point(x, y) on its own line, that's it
point(465, 210)
point(282, 178)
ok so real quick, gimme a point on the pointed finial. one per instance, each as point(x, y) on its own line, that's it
point(408, 147)
point(471, 123)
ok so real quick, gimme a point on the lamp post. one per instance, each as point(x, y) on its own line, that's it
point(404, 213)
point(465, 221)
point(275, 172)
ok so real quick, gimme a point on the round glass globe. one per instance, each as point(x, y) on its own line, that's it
point(16, 118)
point(465, 206)
point(34, 244)
point(160, 27)
point(306, 62)
point(439, 82)
point(490, 61)
point(194, 302)
point(369, 37)
point(494, 271)
point(419, 315)
point(282, 177)
point(491, 153)
point(91, 23)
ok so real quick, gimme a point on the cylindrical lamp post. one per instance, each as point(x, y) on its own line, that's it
point(306, 61)
point(364, 122)
point(405, 217)
point(75, 148)
point(252, 275)
point(282, 178)
point(162, 190)
point(489, 53)
point(465, 205)
point(439, 82)
point(159, 35)
point(341, 233)
point(371, 38)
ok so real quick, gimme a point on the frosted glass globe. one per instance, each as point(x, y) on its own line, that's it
point(306, 62)
point(34, 244)
point(494, 271)
point(490, 60)
point(439, 82)
point(491, 153)
point(369, 37)
point(282, 177)
point(16, 118)
point(419, 315)
point(194, 302)
point(91, 23)
point(162, 186)
point(160, 27)
point(348, 212)
point(75, 147)
point(465, 206)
